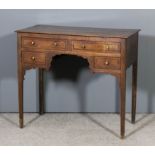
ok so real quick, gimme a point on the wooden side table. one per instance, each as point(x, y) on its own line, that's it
point(109, 51)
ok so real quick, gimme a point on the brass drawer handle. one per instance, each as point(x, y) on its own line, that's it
point(55, 44)
point(106, 63)
point(33, 43)
point(83, 46)
point(107, 47)
point(33, 58)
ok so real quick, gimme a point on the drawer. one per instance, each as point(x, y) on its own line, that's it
point(34, 58)
point(107, 63)
point(43, 43)
point(96, 46)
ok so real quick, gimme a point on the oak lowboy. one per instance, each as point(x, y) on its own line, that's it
point(109, 51)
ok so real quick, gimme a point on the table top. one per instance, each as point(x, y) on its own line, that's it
point(80, 31)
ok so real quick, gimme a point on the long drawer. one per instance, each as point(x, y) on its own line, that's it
point(44, 43)
point(95, 46)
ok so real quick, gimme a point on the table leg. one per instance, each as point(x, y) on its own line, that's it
point(20, 94)
point(122, 82)
point(41, 91)
point(134, 91)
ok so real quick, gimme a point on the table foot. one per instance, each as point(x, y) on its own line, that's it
point(21, 123)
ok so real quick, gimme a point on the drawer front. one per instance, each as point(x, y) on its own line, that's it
point(34, 58)
point(96, 46)
point(107, 63)
point(45, 44)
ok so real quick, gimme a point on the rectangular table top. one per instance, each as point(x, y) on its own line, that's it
point(80, 31)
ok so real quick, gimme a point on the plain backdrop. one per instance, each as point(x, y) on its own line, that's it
point(70, 86)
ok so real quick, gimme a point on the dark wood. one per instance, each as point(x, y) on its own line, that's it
point(134, 63)
point(41, 91)
point(122, 103)
point(109, 51)
point(131, 50)
point(20, 84)
point(134, 91)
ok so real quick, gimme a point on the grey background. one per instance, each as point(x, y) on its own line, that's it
point(90, 93)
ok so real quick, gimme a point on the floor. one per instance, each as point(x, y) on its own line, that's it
point(75, 129)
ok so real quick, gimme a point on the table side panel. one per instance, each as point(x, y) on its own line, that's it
point(131, 49)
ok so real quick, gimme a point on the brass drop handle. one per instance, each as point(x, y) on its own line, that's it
point(55, 44)
point(106, 63)
point(33, 58)
point(33, 43)
point(83, 46)
point(107, 47)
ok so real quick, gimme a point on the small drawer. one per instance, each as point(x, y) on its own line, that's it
point(87, 46)
point(107, 63)
point(112, 46)
point(34, 58)
point(45, 44)
point(96, 46)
